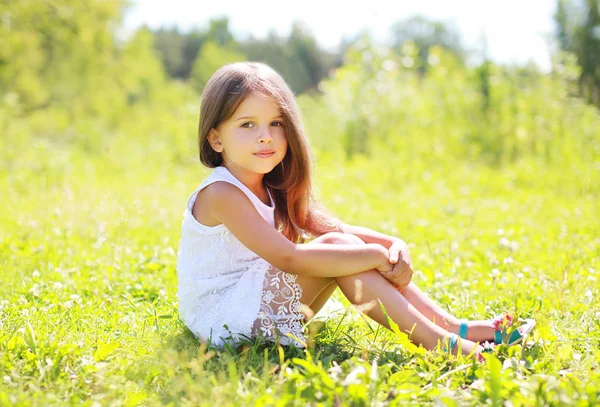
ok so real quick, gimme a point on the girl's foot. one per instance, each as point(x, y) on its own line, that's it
point(453, 343)
point(491, 330)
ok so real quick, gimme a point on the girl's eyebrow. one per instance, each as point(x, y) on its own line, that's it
point(252, 117)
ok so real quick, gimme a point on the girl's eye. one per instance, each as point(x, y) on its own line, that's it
point(279, 124)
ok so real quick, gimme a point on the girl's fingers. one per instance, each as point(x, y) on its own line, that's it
point(394, 251)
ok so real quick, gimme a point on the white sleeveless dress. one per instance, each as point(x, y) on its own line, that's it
point(226, 291)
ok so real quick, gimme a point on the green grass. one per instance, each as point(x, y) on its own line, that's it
point(497, 198)
point(88, 307)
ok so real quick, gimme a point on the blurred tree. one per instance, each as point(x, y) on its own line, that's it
point(178, 50)
point(578, 31)
point(275, 52)
point(53, 52)
point(169, 44)
point(210, 58)
point(297, 58)
point(191, 45)
point(218, 31)
point(425, 33)
point(304, 49)
point(64, 55)
point(140, 72)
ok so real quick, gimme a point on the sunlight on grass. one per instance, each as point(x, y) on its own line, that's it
point(500, 210)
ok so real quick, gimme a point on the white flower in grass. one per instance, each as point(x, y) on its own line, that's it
point(86, 360)
point(504, 242)
point(35, 290)
point(478, 384)
point(353, 376)
point(335, 371)
point(488, 346)
point(374, 374)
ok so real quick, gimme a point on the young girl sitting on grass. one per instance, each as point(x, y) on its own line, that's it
point(244, 265)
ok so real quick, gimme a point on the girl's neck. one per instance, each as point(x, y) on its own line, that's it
point(253, 181)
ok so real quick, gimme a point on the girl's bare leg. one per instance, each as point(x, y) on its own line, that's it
point(367, 287)
point(478, 331)
point(315, 290)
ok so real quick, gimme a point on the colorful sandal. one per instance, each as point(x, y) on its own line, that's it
point(497, 323)
point(500, 324)
point(452, 339)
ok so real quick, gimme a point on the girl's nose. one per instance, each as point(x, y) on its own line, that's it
point(265, 137)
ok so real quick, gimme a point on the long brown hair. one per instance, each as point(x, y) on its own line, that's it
point(297, 214)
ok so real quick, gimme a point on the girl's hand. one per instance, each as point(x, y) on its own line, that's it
point(386, 266)
point(402, 272)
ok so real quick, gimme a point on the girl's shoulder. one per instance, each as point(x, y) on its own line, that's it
point(201, 208)
point(206, 199)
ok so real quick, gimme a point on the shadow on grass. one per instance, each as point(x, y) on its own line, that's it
point(182, 366)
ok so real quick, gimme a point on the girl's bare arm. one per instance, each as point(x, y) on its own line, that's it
point(229, 205)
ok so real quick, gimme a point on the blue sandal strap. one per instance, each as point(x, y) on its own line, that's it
point(453, 339)
point(515, 336)
point(462, 331)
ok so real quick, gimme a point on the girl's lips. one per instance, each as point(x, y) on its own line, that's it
point(264, 155)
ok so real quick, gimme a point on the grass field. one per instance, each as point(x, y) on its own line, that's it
point(491, 173)
point(88, 306)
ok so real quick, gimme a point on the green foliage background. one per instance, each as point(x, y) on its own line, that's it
point(490, 173)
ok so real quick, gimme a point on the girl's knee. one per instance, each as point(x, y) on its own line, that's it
point(340, 238)
point(331, 238)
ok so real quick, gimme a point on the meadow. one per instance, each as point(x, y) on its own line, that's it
point(496, 193)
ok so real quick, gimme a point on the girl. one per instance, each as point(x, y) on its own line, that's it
point(243, 269)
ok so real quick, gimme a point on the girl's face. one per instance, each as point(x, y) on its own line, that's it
point(256, 125)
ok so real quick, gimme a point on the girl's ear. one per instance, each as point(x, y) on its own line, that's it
point(213, 139)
